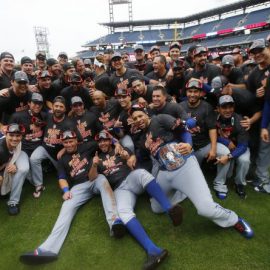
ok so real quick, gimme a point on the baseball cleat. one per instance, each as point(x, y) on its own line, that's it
point(118, 229)
point(38, 257)
point(176, 214)
point(244, 228)
point(153, 261)
point(240, 190)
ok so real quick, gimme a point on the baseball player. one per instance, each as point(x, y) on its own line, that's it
point(171, 145)
point(14, 166)
point(73, 170)
point(127, 186)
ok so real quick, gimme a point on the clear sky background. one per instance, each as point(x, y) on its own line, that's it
point(73, 23)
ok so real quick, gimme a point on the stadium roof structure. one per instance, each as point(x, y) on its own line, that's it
point(195, 17)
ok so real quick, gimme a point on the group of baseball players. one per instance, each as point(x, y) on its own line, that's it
point(118, 128)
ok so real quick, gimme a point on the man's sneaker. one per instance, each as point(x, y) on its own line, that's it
point(221, 195)
point(38, 257)
point(176, 214)
point(240, 190)
point(118, 228)
point(244, 228)
point(13, 209)
point(153, 261)
point(260, 188)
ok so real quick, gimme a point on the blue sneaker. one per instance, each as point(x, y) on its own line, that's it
point(244, 228)
point(221, 195)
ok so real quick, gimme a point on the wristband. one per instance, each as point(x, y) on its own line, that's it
point(65, 189)
point(230, 156)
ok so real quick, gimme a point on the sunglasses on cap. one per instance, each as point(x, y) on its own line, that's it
point(15, 128)
point(38, 122)
point(103, 135)
point(194, 84)
point(68, 134)
point(137, 107)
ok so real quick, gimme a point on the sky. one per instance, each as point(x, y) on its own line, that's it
point(71, 24)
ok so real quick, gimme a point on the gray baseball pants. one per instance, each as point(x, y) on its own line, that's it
point(22, 164)
point(36, 158)
point(81, 193)
point(190, 180)
point(126, 194)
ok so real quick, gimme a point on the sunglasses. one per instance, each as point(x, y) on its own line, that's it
point(194, 84)
point(15, 128)
point(68, 135)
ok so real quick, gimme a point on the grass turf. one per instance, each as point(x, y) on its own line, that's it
point(196, 244)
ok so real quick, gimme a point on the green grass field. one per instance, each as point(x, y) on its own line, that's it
point(196, 244)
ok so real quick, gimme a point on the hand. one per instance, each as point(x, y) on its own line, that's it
point(11, 168)
point(67, 196)
point(231, 146)
point(33, 88)
point(245, 123)
point(118, 124)
point(265, 135)
point(260, 92)
point(222, 160)
point(4, 93)
point(131, 162)
point(91, 92)
point(184, 148)
point(227, 90)
point(96, 160)
point(211, 155)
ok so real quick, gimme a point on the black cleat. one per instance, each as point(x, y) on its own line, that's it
point(118, 228)
point(153, 261)
point(240, 190)
point(13, 209)
point(176, 214)
point(38, 257)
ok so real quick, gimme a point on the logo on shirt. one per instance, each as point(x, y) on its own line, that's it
point(110, 164)
point(77, 165)
point(81, 127)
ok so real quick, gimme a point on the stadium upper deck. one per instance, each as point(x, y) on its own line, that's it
point(234, 24)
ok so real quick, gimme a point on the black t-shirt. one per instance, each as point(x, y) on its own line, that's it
point(163, 129)
point(236, 76)
point(254, 82)
point(175, 87)
point(5, 80)
point(58, 85)
point(155, 76)
point(209, 72)
point(173, 109)
point(33, 133)
point(82, 92)
point(52, 142)
point(13, 103)
point(102, 83)
point(206, 120)
point(75, 167)
point(109, 114)
point(146, 67)
point(5, 154)
point(113, 167)
point(114, 79)
point(232, 129)
point(87, 125)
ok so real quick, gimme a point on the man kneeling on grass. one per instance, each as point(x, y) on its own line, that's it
point(73, 168)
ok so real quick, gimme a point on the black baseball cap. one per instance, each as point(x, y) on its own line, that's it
point(67, 66)
point(51, 61)
point(41, 55)
point(20, 76)
point(175, 44)
point(258, 44)
point(26, 60)
point(60, 99)
point(44, 74)
point(6, 55)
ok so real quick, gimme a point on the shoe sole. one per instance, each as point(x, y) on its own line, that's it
point(176, 215)
point(155, 264)
point(119, 230)
point(37, 259)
